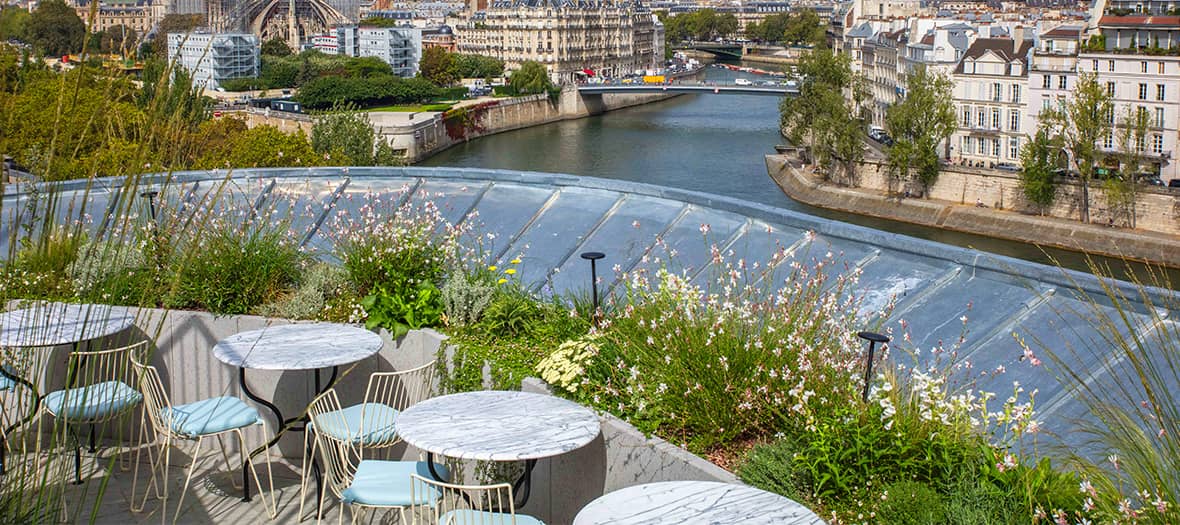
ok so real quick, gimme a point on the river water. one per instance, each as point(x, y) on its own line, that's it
point(708, 143)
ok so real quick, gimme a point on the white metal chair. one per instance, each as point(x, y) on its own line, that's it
point(103, 395)
point(371, 424)
point(213, 417)
point(468, 504)
point(358, 482)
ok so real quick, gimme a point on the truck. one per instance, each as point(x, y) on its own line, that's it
point(654, 79)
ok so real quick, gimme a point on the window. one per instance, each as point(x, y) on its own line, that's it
point(1159, 91)
point(996, 118)
point(966, 145)
point(1142, 91)
point(1140, 144)
point(997, 92)
point(1161, 68)
point(1110, 117)
point(981, 121)
point(1061, 82)
point(996, 148)
point(1095, 68)
point(1013, 120)
point(1157, 144)
point(1108, 141)
point(966, 116)
point(1143, 66)
point(1046, 103)
point(1110, 89)
point(1016, 93)
point(1110, 65)
point(1159, 117)
point(982, 145)
point(1013, 148)
point(1046, 82)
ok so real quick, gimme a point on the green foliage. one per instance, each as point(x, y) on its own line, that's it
point(378, 21)
point(172, 23)
point(478, 66)
point(1038, 177)
point(263, 147)
point(821, 116)
point(323, 93)
point(800, 28)
point(911, 503)
point(346, 137)
point(465, 298)
point(772, 467)
point(112, 273)
point(512, 312)
point(14, 22)
point(972, 500)
point(232, 268)
point(919, 125)
point(1080, 123)
point(276, 47)
point(702, 24)
point(401, 308)
point(322, 289)
point(55, 28)
point(439, 67)
point(40, 267)
point(1037, 487)
point(530, 79)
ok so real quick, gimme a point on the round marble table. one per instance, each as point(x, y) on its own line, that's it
point(498, 426)
point(301, 346)
point(694, 502)
point(46, 325)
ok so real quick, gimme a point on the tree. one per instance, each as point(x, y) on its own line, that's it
point(1038, 173)
point(275, 47)
point(919, 124)
point(264, 147)
point(173, 24)
point(822, 115)
point(804, 28)
point(347, 137)
point(55, 29)
point(1121, 189)
point(479, 66)
point(1083, 120)
point(438, 66)
point(117, 39)
point(530, 79)
point(13, 23)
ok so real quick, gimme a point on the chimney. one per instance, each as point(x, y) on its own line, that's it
point(1017, 36)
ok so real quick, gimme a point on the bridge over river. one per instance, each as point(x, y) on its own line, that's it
point(715, 88)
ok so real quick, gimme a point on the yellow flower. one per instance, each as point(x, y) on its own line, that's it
point(515, 261)
point(492, 268)
point(502, 281)
point(510, 271)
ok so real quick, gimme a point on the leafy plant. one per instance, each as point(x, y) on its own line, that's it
point(911, 503)
point(233, 269)
point(321, 290)
point(403, 309)
point(511, 312)
point(772, 467)
point(464, 299)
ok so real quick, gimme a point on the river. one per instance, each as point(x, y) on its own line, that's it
point(708, 143)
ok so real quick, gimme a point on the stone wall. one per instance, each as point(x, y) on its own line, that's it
point(286, 122)
point(1157, 209)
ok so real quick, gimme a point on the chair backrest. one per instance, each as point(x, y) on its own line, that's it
point(463, 504)
point(340, 458)
point(95, 367)
point(399, 390)
point(155, 397)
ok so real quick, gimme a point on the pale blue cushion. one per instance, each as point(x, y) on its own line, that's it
point(479, 517)
point(387, 483)
point(210, 416)
point(380, 424)
point(93, 402)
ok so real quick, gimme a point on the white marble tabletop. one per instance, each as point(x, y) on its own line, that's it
point(53, 324)
point(694, 502)
point(301, 346)
point(498, 425)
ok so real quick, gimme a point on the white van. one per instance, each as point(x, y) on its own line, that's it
point(743, 82)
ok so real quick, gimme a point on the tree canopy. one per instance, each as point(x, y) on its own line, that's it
point(822, 116)
point(346, 137)
point(439, 67)
point(1080, 122)
point(531, 78)
point(919, 125)
point(55, 28)
point(13, 23)
point(800, 28)
point(276, 47)
point(1038, 177)
point(479, 66)
point(702, 24)
point(324, 92)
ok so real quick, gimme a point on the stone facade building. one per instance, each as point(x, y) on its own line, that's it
point(569, 38)
point(989, 95)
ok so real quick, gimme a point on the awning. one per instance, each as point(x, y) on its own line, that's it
point(588, 72)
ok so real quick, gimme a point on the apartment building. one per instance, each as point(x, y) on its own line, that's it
point(883, 70)
point(400, 47)
point(213, 57)
point(140, 15)
point(609, 39)
point(989, 97)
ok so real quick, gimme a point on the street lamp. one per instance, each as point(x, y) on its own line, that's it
point(873, 338)
point(593, 257)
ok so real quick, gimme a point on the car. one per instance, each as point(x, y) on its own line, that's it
point(743, 82)
point(1174, 183)
point(1007, 166)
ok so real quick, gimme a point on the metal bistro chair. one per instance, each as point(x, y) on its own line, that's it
point(213, 417)
point(358, 482)
point(469, 504)
point(371, 424)
point(102, 396)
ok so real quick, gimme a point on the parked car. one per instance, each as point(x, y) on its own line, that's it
point(1007, 166)
point(743, 82)
point(1174, 183)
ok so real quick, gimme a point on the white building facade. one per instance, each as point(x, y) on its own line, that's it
point(990, 97)
point(400, 47)
point(213, 57)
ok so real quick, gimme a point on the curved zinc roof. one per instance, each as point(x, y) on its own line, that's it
point(552, 218)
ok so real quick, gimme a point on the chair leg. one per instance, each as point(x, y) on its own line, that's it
point(191, 469)
point(309, 449)
point(228, 465)
point(93, 447)
point(77, 464)
point(272, 511)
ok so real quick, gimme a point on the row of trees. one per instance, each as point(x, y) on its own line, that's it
point(54, 28)
point(799, 28)
point(703, 24)
point(444, 68)
point(376, 90)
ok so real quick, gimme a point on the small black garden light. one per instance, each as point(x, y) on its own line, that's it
point(593, 257)
point(873, 338)
point(150, 195)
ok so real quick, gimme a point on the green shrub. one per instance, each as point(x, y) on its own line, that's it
point(464, 299)
point(113, 273)
point(233, 269)
point(911, 503)
point(972, 500)
point(511, 312)
point(403, 307)
point(772, 467)
point(319, 289)
point(40, 267)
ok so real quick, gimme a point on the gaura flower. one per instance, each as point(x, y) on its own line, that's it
point(510, 271)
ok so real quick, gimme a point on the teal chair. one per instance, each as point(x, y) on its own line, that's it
point(192, 422)
point(468, 504)
point(362, 483)
point(96, 393)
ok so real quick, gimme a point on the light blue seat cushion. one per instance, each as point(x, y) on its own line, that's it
point(380, 423)
point(209, 416)
point(479, 517)
point(387, 483)
point(93, 402)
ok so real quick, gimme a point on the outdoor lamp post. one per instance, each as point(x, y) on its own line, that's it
point(150, 195)
point(593, 257)
point(873, 338)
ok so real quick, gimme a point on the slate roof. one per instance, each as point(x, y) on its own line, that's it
point(1002, 47)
